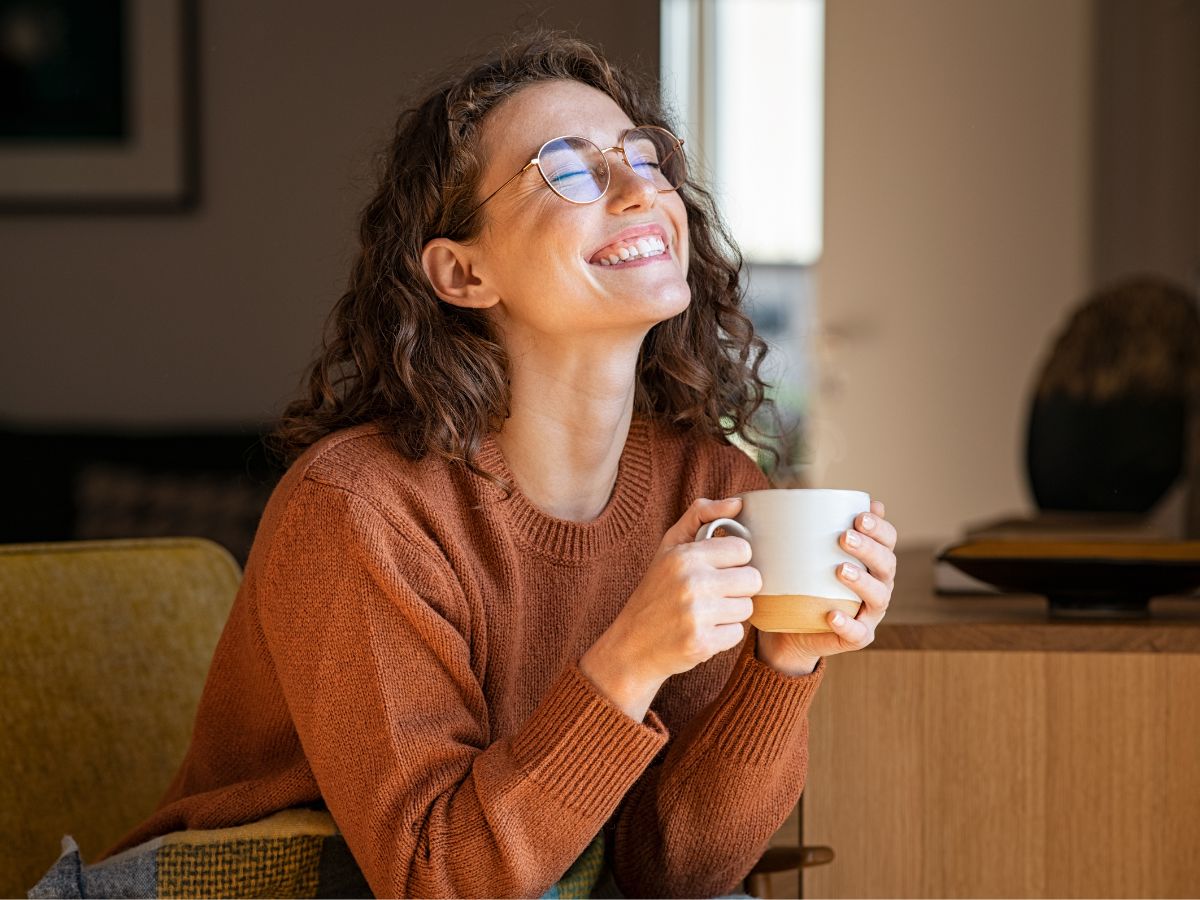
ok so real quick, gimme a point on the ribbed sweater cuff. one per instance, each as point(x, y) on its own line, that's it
point(579, 745)
point(762, 710)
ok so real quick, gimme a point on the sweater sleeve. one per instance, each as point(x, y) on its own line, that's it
point(698, 820)
point(696, 823)
point(366, 632)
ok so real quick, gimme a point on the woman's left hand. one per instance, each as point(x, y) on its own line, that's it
point(798, 654)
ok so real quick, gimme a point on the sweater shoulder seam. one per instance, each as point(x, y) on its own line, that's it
point(433, 558)
point(424, 549)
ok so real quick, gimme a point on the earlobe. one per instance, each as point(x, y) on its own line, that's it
point(448, 267)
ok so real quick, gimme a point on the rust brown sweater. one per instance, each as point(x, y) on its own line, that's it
point(404, 648)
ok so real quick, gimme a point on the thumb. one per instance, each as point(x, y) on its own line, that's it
point(701, 511)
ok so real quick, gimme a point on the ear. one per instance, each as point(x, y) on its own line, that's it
point(448, 266)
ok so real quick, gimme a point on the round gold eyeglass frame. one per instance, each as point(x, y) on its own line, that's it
point(620, 148)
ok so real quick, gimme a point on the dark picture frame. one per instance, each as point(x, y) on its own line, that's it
point(132, 144)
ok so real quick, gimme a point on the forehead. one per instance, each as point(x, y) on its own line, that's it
point(517, 127)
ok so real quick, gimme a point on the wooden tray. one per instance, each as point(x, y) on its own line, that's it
point(1083, 579)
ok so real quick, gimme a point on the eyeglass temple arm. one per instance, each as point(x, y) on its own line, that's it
point(479, 205)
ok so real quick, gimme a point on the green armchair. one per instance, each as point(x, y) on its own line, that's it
point(103, 654)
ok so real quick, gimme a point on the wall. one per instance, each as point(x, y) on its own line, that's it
point(958, 178)
point(209, 317)
point(957, 236)
point(1146, 127)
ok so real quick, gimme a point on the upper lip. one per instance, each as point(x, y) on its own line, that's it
point(629, 234)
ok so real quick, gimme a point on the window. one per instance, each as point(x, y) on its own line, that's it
point(746, 80)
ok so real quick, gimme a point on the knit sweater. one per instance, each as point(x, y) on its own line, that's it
point(404, 650)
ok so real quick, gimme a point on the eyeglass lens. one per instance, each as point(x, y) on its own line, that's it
point(577, 171)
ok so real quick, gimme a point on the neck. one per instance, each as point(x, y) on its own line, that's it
point(570, 414)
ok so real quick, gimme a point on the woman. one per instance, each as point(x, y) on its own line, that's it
point(474, 623)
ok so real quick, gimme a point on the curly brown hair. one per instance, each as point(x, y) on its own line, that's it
point(436, 374)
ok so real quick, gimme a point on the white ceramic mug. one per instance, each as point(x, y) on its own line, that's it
point(795, 538)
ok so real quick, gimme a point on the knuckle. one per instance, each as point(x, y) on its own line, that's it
point(885, 567)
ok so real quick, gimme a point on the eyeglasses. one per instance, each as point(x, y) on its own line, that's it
point(578, 170)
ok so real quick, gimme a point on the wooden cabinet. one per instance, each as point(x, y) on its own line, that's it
point(978, 749)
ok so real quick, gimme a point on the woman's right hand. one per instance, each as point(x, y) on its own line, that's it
point(689, 606)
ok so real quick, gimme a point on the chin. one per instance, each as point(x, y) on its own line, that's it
point(665, 304)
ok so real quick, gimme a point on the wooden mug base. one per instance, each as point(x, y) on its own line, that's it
point(798, 613)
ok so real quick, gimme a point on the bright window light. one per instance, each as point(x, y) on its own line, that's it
point(746, 78)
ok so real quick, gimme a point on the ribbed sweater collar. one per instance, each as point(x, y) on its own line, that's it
point(579, 542)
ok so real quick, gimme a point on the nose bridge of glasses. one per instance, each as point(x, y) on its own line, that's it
point(627, 185)
point(639, 180)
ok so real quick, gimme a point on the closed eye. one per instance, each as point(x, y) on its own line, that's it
point(563, 176)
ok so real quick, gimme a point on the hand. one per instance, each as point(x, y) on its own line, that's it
point(798, 653)
point(689, 606)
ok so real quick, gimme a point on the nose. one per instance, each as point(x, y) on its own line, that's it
point(627, 189)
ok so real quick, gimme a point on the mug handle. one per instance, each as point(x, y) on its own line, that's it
point(707, 529)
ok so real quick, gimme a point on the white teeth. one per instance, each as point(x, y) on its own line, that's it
point(642, 247)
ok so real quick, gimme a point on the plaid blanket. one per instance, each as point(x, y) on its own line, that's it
point(293, 853)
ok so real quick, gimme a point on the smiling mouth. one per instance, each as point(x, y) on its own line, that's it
point(624, 253)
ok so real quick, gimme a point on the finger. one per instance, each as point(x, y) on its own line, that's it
point(727, 636)
point(701, 511)
point(733, 609)
point(739, 581)
point(878, 559)
point(722, 552)
point(854, 632)
point(875, 525)
point(874, 594)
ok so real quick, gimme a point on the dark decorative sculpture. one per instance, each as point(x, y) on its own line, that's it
point(1112, 411)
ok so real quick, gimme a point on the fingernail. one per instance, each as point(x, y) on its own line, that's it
point(868, 522)
point(852, 539)
point(838, 618)
point(849, 572)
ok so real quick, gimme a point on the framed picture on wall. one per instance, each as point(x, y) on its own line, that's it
point(98, 106)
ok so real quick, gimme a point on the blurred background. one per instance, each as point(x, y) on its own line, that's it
point(926, 192)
